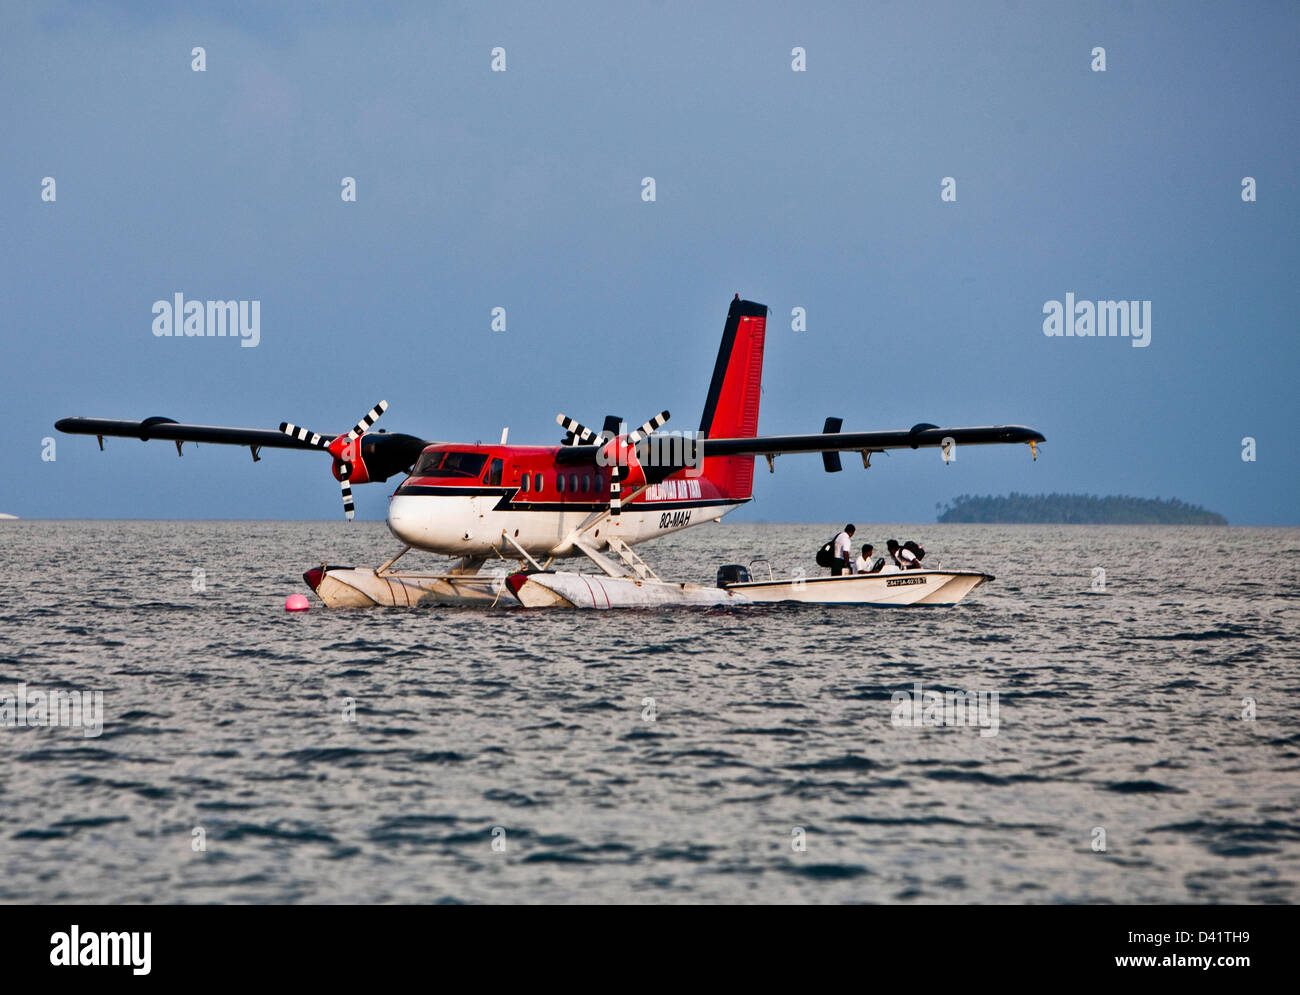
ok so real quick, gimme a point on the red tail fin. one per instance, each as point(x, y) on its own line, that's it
point(731, 410)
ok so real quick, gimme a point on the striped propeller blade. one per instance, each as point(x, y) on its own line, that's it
point(345, 487)
point(578, 432)
point(653, 425)
point(370, 418)
point(304, 435)
point(616, 489)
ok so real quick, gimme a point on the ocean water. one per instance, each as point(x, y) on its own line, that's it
point(673, 756)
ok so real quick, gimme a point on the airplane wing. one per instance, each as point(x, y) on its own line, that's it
point(832, 442)
point(166, 428)
point(920, 436)
point(359, 458)
point(385, 453)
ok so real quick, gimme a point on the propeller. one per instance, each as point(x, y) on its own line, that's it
point(623, 468)
point(618, 451)
point(576, 433)
point(344, 449)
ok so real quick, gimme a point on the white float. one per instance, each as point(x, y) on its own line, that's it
point(368, 587)
point(571, 589)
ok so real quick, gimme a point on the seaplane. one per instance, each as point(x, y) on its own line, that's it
point(506, 514)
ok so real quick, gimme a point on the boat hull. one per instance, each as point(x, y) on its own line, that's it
point(940, 588)
point(567, 589)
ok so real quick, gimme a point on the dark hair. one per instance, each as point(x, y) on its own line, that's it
point(850, 529)
point(868, 548)
point(892, 544)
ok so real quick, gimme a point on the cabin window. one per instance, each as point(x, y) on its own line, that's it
point(523, 482)
point(537, 482)
point(559, 482)
point(586, 483)
point(494, 473)
point(573, 482)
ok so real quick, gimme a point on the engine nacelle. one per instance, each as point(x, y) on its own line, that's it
point(617, 452)
point(345, 450)
point(376, 456)
point(634, 475)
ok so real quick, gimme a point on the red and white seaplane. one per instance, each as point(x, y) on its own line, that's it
point(514, 509)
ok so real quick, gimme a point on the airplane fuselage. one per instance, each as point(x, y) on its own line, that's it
point(459, 500)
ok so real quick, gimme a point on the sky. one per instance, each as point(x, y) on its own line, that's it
point(821, 189)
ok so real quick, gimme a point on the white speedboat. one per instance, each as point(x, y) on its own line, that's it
point(897, 588)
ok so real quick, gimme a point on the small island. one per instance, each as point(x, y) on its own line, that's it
point(1074, 509)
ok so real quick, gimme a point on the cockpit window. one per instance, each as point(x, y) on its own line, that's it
point(443, 464)
point(427, 464)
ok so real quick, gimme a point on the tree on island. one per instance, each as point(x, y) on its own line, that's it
point(1075, 509)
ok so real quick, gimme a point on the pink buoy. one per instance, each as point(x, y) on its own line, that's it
point(296, 603)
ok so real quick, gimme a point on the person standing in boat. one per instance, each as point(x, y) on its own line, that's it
point(843, 552)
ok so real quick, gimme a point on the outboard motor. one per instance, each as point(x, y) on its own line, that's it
point(732, 573)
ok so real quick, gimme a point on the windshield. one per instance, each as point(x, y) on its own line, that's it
point(442, 464)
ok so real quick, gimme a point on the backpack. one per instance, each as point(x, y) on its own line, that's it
point(916, 549)
point(826, 555)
